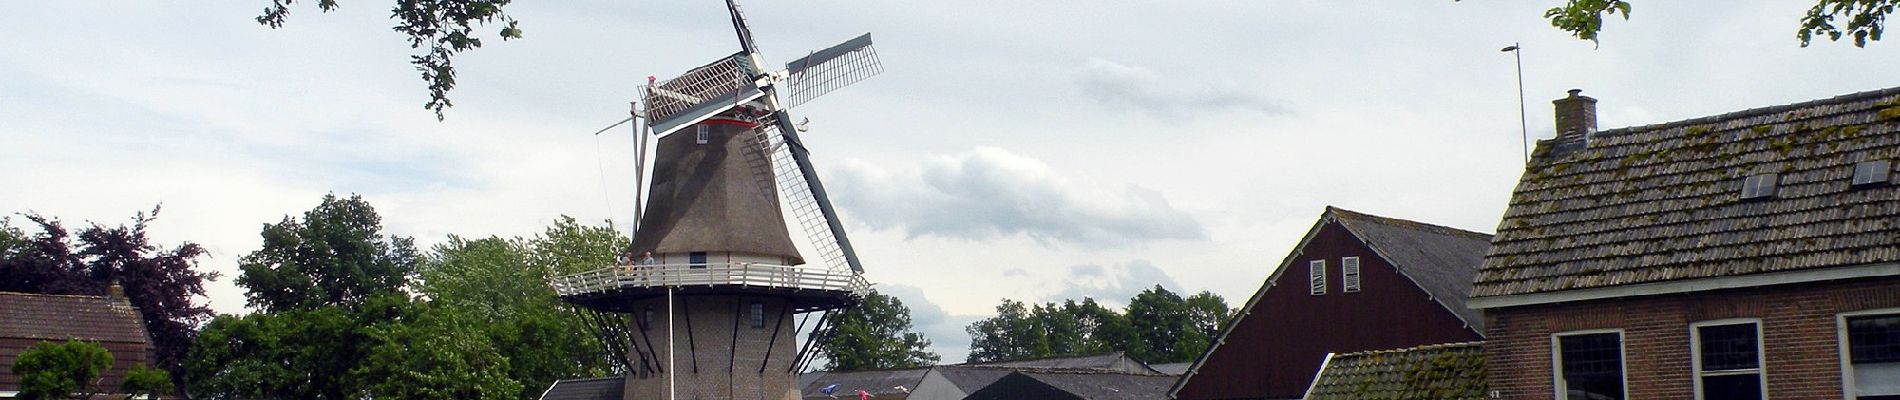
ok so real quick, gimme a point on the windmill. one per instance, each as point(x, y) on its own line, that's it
point(705, 308)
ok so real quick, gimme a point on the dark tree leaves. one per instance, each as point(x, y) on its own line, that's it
point(1863, 20)
point(874, 335)
point(335, 255)
point(1158, 327)
point(443, 27)
point(51, 370)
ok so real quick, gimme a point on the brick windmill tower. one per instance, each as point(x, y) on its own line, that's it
point(714, 311)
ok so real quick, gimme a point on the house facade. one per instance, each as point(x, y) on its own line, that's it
point(1355, 282)
point(1748, 255)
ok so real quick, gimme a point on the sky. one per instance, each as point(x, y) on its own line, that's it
point(1035, 151)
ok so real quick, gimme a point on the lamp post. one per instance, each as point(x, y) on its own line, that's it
point(1522, 126)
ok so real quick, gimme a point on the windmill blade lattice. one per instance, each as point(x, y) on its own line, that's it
point(834, 67)
point(700, 93)
point(800, 201)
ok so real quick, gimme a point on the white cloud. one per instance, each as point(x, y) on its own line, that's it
point(989, 192)
point(1112, 284)
point(1120, 85)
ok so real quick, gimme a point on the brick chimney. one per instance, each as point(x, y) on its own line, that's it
point(1576, 116)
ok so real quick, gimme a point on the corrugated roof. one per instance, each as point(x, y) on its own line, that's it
point(603, 388)
point(1172, 368)
point(61, 317)
point(1443, 371)
point(878, 382)
point(1662, 202)
point(713, 197)
point(1442, 260)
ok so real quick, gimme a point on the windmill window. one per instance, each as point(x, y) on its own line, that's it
point(1872, 172)
point(1759, 186)
point(1316, 276)
point(696, 259)
point(703, 135)
point(1728, 360)
point(758, 315)
point(1589, 365)
point(1872, 347)
point(648, 317)
point(1349, 273)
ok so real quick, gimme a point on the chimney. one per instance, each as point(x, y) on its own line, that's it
point(1576, 116)
point(115, 291)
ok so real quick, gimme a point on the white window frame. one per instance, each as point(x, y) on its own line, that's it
point(1695, 353)
point(1349, 274)
point(1557, 360)
point(703, 134)
point(1316, 277)
point(1847, 361)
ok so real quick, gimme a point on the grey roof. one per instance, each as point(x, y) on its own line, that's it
point(876, 383)
point(1442, 371)
point(1089, 385)
point(1441, 260)
point(970, 379)
point(603, 388)
point(714, 197)
point(1172, 368)
point(62, 317)
point(1661, 202)
point(1115, 361)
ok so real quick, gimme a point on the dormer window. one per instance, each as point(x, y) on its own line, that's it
point(704, 135)
point(1867, 173)
point(1759, 186)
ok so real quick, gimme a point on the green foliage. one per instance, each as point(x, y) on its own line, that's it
point(1159, 327)
point(335, 255)
point(57, 370)
point(499, 286)
point(432, 354)
point(293, 354)
point(446, 27)
point(141, 381)
point(875, 335)
point(1863, 20)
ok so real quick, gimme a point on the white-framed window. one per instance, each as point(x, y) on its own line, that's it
point(1349, 274)
point(1316, 276)
point(1588, 365)
point(1727, 358)
point(1870, 354)
point(703, 134)
point(758, 315)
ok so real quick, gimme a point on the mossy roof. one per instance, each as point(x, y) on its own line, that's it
point(1442, 371)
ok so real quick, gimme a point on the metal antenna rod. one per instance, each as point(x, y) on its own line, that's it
point(1522, 125)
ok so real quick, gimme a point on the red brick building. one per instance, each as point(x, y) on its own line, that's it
point(1356, 282)
point(111, 321)
point(1748, 255)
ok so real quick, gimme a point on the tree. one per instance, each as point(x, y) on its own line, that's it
point(335, 255)
point(874, 335)
point(446, 27)
point(141, 382)
point(499, 286)
point(1159, 327)
point(164, 283)
point(432, 355)
point(57, 370)
point(1863, 19)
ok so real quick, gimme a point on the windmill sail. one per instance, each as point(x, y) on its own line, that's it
point(834, 67)
point(805, 195)
point(700, 93)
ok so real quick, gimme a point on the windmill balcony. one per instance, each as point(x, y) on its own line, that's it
point(812, 289)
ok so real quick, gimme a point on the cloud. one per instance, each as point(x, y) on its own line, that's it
point(1121, 85)
point(944, 330)
point(988, 192)
point(1113, 284)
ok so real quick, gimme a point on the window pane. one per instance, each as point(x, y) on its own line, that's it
point(1731, 387)
point(1592, 366)
point(1316, 276)
point(1728, 347)
point(1874, 339)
